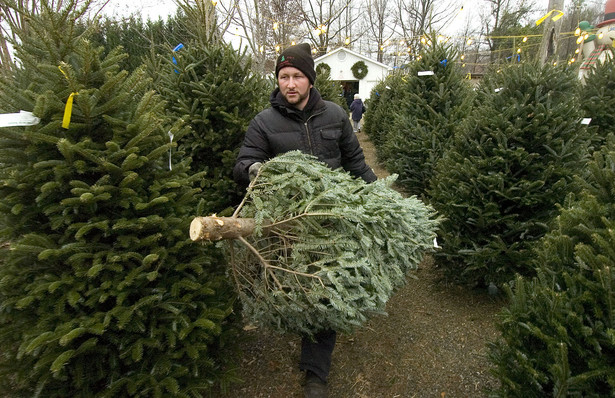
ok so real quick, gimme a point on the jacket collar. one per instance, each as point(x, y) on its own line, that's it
point(315, 103)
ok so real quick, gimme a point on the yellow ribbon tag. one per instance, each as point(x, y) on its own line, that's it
point(62, 70)
point(68, 110)
point(558, 15)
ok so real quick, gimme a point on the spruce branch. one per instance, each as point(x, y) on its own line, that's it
point(323, 250)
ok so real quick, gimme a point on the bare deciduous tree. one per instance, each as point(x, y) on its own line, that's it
point(328, 24)
point(380, 24)
point(208, 27)
point(348, 27)
point(418, 18)
point(501, 16)
point(322, 20)
point(266, 26)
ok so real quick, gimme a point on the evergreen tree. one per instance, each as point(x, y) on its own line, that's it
point(326, 249)
point(211, 87)
point(598, 97)
point(557, 332)
point(511, 162)
point(422, 126)
point(385, 102)
point(102, 292)
point(139, 39)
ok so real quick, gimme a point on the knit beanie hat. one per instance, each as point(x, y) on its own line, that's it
point(299, 57)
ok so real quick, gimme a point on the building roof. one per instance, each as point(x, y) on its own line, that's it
point(356, 54)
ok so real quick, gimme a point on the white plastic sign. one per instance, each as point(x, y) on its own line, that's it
point(23, 118)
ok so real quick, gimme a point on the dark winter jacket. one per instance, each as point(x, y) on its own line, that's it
point(358, 109)
point(321, 129)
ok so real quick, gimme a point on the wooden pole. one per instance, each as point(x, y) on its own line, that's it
point(550, 33)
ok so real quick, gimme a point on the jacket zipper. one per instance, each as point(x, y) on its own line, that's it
point(307, 131)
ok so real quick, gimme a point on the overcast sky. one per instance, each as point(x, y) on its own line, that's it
point(162, 8)
point(152, 9)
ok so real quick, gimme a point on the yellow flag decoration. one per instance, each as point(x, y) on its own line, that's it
point(557, 15)
point(68, 110)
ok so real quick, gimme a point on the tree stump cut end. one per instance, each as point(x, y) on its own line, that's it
point(214, 228)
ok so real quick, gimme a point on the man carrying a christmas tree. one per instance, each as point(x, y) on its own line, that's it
point(299, 119)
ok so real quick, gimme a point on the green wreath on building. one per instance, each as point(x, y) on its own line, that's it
point(359, 70)
point(323, 69)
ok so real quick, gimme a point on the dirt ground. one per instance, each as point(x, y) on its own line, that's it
point(431, 344)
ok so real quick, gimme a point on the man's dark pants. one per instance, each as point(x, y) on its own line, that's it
point(316, 353)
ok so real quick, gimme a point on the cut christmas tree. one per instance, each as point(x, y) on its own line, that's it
point(317, 249)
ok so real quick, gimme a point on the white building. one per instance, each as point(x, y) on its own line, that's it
point(341, 62)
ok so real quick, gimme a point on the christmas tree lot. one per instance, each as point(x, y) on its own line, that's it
point(330, 90)
point(512, 161)
point(316, 249)
point(102, 292)
point(517, 157)
point(436, 97)
point(384, 103)
point(557, 332)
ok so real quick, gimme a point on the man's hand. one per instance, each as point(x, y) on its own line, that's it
point(253, 170)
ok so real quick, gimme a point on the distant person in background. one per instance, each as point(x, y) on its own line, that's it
point(358, 109)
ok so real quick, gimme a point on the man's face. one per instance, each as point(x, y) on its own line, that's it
point(294, 86)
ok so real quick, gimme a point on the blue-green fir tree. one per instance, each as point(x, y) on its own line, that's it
point(557, 332)
point(511, 162)
point(102, 293)
point(326, 250)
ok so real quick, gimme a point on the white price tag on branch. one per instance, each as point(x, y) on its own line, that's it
point(586, 120)
point(23, 118)
point(426, 73)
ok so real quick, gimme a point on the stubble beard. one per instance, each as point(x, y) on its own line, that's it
point(295, 99)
